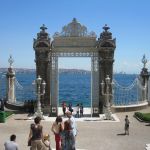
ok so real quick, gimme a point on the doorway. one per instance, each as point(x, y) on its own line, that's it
point(74, 81)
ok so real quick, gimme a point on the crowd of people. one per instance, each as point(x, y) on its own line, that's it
point(78, 109)
point(29, 106)
point(65, 133)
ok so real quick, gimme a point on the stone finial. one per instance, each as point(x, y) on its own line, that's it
point(105, 35)
point(11, 61)
point(106, 28)
point(43, 28)
point(74, 20)
point(144, 61)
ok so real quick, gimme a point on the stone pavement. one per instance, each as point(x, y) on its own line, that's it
point(92, 135)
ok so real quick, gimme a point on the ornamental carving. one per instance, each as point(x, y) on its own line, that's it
point(74, 29)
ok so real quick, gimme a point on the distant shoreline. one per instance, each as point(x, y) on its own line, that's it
point(66, 71)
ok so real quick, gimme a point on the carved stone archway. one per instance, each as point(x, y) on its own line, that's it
point(73, 41)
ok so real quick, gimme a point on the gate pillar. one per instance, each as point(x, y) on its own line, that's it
point(10, 93)
point(106, 46)
point(54, 87)
point(95, 85)
point(145, 77)
point(42, 49)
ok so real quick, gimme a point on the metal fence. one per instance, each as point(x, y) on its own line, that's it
point(129, 95)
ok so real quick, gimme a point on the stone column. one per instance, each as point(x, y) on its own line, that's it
point(106, 46)
point(42, 47)
point(144, 78)
point(11, 97)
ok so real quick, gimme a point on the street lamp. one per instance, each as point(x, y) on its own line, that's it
point(107, 93)
point(39, 84)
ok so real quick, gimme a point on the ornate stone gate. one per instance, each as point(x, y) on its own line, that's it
point(73, 41)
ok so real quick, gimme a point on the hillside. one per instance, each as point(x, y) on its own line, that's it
point(64, 71)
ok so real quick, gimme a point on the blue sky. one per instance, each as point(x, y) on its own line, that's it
point(129, 21)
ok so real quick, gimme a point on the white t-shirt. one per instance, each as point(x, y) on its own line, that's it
point(11, 145)
point(73, 125)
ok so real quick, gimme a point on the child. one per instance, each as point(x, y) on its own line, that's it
point(46, 142)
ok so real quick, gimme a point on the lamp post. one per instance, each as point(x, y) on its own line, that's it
point(39, 84)
point(107, 93)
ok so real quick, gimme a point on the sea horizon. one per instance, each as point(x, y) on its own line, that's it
point(71, 83)
point(22, 69)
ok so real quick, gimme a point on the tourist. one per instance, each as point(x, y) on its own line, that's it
point(25, 106)
point(68, 139)
point(32, 107)
point(36, 135)
point(46, 142)
point(72, 123)
point(126, 125)
point(64, 108)
point(1, 105)
point(70, 108)
point(81, 110)
point(29, 107)
point(77, 111)
point(11, 145)
point(57, 127)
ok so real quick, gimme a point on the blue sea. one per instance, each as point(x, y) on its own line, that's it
point(73, 88)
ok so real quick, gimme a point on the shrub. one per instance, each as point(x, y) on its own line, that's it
point(143, 116)
point(8, 113)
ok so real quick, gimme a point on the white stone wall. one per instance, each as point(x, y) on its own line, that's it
point(11, 90)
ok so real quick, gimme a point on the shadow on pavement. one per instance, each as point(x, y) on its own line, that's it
point(21, 119)
point(147, 124)
point(121, 134)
